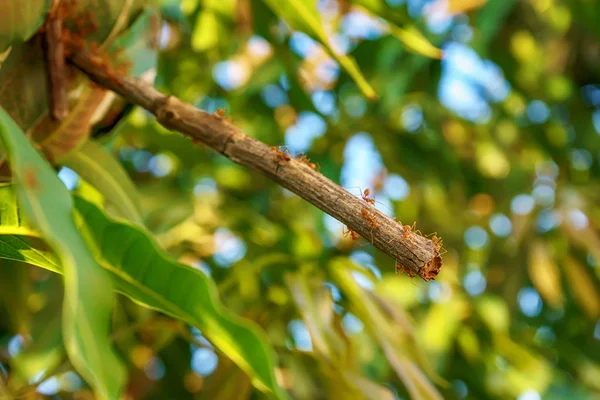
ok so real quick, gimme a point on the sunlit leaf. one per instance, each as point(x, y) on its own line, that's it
point(412, 377)
point(415, 41)
point(526, 371)
point(494, 313)
point(407, 33)
point(143, 273)
point(442, 322)
point(99, 167)
point(304, 16)
point(371, 390)
point(545, 274)
point(459, 6)
point(88, 301)
point(582, 287)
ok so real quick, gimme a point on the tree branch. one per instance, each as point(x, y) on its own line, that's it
point(55, 61)
point(412, 252)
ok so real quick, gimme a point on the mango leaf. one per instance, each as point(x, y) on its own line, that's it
point(45, 351)
point(98, 166)
point(23, 84)
point(18, 248)
point(20, 19)
point(582, 287)
point(415, 41)
point(415, 381)
point(303, 15)
point(145, 274)
point(15, 235)
point(545, 275)
point(15, 286)
point(88, 297)
point(408, 34)
point(12, 222)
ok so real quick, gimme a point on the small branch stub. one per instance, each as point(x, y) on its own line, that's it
point(412, 252)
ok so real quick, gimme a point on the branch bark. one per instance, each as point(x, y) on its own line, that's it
point(55, 61)
point(412, 252)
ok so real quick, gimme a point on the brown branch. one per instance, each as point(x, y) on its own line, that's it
point(412, 252)
point(55, 61)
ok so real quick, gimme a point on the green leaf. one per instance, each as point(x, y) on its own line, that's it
point(303, 15)
point(408, 34)
point(413, 378)
point(98, 166)
point(17, 248)
point(20, 19)
point(88, 297)
point(145, 274)
point(415, 41)
point(12, 222)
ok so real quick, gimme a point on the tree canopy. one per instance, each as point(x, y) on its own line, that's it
point(137, 262)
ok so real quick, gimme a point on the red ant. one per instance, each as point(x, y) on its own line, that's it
point(399, 267)
point(365, 197)
point(370, 217)
point(221, 112)
point(350, 232)
point(438, 243)
point(410, 228)
point(284, 156)
point(305, 160)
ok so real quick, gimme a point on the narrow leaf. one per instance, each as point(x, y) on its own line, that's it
point(99, 167)
point(413, 378)
point(88, 297)
point(545, 275)
point(303, 15)
point(415, 41)
point(11, 220)
point(582, 287)
point(17, 248)
point(408, 34)
point(145, 274)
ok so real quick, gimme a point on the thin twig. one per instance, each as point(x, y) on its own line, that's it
point(414, 252)
point(55, 57)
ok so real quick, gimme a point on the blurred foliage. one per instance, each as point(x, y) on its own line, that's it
point(495, 146)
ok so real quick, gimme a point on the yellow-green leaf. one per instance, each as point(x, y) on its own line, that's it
point(145, 274)
point(545, 275)
point(304, 16)
point(88, 298)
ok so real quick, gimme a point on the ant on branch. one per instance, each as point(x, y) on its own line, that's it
point(399, 267)
point(369, 216)
point(365, 197)
point(284, 155)
point(305, 160)
point(350, 232)
point(79, 25)
point(438, 243)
